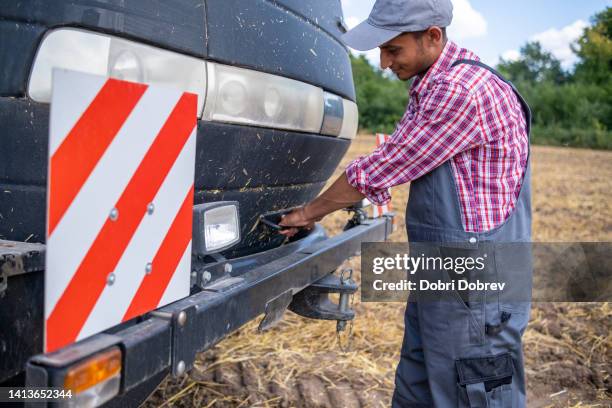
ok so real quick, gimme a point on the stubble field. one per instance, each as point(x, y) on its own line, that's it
point(299, 363)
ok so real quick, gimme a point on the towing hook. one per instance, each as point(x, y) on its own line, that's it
point(359, 216)
point(343, 303)
point(313, 302)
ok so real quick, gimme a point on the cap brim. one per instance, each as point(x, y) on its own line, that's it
point(365, 36)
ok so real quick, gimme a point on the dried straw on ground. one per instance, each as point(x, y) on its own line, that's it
point(298, 363)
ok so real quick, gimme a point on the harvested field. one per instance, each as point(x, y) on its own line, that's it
point(299, 363)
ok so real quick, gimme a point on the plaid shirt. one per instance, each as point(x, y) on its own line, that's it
point(463, 114)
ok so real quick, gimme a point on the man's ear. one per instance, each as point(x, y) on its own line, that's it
point(435, 35)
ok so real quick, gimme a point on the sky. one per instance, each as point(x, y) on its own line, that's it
point(499, 28)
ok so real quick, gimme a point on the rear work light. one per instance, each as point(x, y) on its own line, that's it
point(216, 226)
point(105, 55)
point(94, 381)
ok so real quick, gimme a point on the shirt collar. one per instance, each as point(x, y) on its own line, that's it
point(446, 58)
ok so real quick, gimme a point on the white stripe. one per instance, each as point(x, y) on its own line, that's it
point(82, 88)
point(181, 280)
point(78, 228)
point(148, 237)
point(379, 139)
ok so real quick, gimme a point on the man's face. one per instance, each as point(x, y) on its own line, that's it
point(410, 54)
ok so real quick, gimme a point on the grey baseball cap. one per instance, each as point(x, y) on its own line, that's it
point(390, 18)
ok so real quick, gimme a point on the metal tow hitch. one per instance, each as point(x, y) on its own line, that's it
point(346, 278)
point(358, 217)
point(314, 302)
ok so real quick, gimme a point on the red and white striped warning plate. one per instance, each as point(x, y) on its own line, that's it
point(380, 210)
point(120, 198)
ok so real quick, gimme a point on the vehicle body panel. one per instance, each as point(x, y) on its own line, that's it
point(263, 169)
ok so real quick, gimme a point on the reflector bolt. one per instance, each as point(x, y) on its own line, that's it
point(114, 214)
point(111, 279)
point(180, 368)
point(150, 208)
point(148, 268)
point(182, 318)
point(206, 277)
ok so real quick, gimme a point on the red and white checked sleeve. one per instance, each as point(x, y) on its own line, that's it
point(445, 123)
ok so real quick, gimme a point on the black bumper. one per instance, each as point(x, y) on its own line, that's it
point(162, 342)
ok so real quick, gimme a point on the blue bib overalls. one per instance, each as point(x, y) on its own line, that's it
point(465, 350)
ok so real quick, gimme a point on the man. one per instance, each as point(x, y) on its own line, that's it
point(463, 143)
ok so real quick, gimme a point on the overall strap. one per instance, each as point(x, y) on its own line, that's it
point(522, 100)
point(482, 65)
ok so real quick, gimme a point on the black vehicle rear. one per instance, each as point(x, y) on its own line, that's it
point(276, 113)
point(265, 166)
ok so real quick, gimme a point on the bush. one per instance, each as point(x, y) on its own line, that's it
point(573, 105)
point(381, 100)
point(572, 137)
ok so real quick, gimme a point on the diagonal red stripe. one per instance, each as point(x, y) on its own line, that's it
point(79, 298)
point(77, 156)
point(166, 261)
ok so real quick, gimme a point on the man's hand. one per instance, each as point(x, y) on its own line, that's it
point(340, 195)
point(296, 218)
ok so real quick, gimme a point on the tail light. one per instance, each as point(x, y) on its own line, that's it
point(94, 381)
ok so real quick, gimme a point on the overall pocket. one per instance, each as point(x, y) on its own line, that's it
point(485, 382)
point(514, 265)
point(471, 265)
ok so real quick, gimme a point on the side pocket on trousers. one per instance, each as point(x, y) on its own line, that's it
point(514, 266)
point(485, 382)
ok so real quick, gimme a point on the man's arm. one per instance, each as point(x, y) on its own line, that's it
point(339, 195)
point(446, 124)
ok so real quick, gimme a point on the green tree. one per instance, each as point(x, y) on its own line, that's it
point(595, 50)
point(569, 108)
point(381, 100)
point(534, 65)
